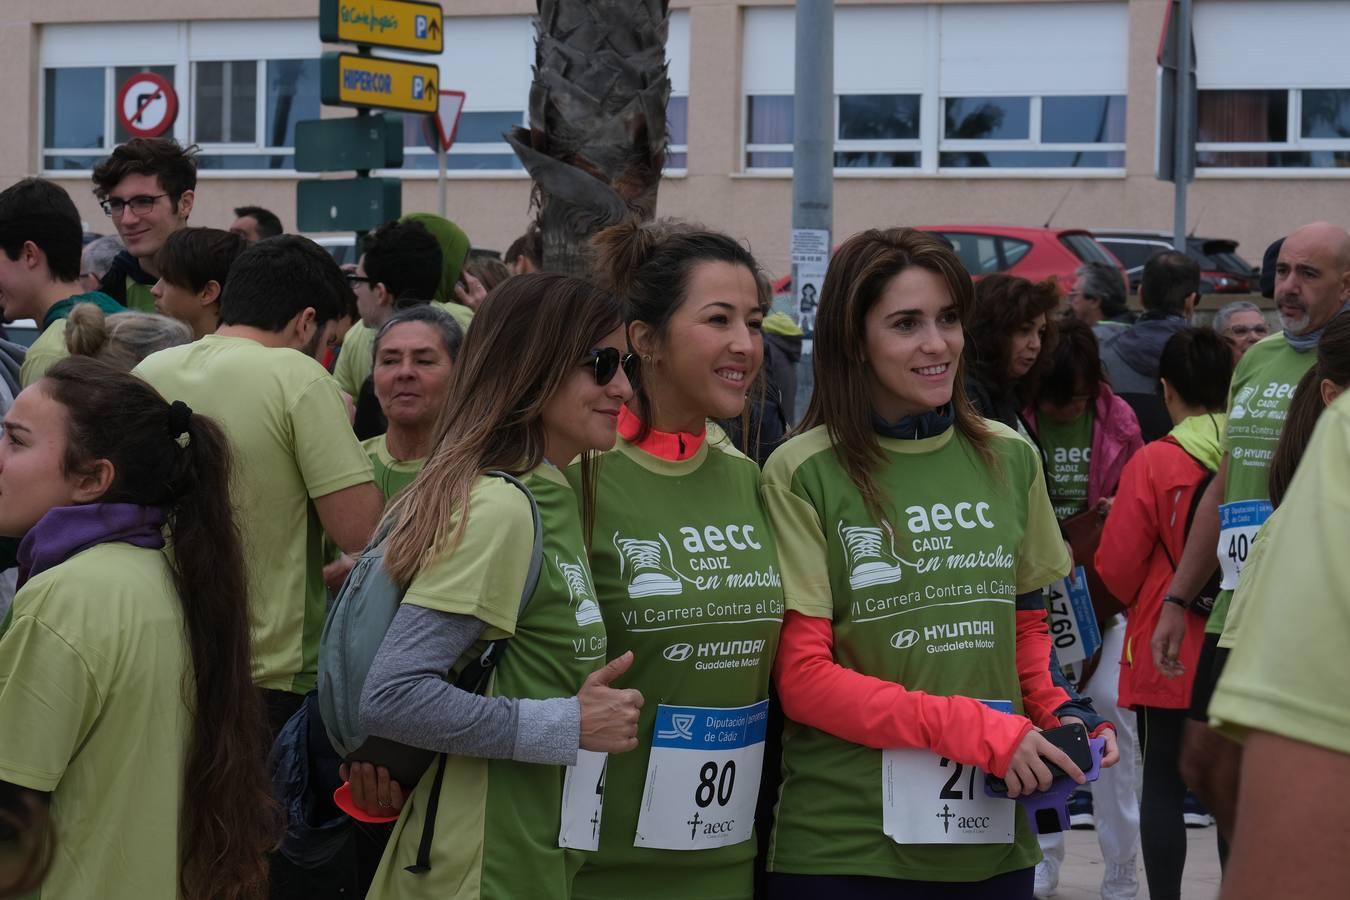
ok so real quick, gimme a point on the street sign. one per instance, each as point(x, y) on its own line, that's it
point(146, 105)
point(341, 145)
point(353, 204)
point(346, 79)
point(447, 117)
point(404, 24)
point(1169, 61)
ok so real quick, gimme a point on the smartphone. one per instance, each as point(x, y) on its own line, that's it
point(1072, 739)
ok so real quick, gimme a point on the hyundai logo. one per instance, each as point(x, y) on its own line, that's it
point(679, 652)
point(903, 640)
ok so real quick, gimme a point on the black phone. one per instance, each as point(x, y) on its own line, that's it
point(1072, 739)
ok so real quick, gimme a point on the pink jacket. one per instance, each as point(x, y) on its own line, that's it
point(1115, 438)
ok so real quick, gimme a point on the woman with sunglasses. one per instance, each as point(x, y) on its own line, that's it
point(915, 539)
point(532, 393)
point(686, 575)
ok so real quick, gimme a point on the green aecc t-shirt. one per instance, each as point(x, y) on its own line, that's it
point(1263, 386)
point(924, 597)
point(1068, 450)
point(497, 822)
point(688, 577)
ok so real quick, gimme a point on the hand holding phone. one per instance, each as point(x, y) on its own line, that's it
point(1044, 756)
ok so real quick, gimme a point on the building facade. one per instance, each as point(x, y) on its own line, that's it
point(1025, 113)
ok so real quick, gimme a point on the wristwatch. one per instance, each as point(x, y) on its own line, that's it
point(1173, 598)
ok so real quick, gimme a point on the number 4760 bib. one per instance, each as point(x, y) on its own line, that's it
point(928, 799)
point(703, 777)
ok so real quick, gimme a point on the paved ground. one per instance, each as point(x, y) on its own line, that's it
point(1081, 876)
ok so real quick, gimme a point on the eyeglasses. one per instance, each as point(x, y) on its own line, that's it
point(140, 204)
point(1238, 331)
point(606, 362)
point(353, 278)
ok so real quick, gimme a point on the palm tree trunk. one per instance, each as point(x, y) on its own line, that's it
point(596, 142)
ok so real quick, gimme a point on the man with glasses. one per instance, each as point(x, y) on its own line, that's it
point(147, 187)
point(1242, 324)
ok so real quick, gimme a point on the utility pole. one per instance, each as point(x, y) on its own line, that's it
point(1185, 138)
point(812, 155)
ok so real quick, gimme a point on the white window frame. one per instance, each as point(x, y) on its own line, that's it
point(885, 145)
point(679, 148)
point(1032, 142)
point(239, 148)
point(1295, 143)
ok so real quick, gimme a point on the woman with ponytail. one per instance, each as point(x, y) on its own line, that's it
point(680, 535)
point(915, 539)
point(125, 690)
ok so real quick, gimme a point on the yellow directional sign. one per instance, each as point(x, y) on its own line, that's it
point(404, 24)
point(346, 79)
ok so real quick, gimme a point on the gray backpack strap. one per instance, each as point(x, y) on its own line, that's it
point(476, 674)
point(537, 554)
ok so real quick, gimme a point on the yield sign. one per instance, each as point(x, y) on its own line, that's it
point(447, 117)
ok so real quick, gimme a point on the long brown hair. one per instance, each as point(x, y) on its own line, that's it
point(1333, 364)
point(854, 282)
point(228, 816)
point(527, 337)
point(648, 265)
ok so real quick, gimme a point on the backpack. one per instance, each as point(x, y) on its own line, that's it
point(1204, 599)
point(352, 634)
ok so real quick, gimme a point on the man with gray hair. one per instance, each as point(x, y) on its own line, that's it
point(1243, 324)
point(97, 259)
point(1098, 298)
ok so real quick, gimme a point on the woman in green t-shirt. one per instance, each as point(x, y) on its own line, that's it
point(1086, 431)
point(125, 690)
point(686, 573)
point(415, 352)
point(540, 382)
point(915, 538)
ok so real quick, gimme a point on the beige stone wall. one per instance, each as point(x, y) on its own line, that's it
point(758, 208)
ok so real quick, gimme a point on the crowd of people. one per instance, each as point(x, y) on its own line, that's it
point(648, 636)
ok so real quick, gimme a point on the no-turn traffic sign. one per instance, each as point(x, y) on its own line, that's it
point(146, 105)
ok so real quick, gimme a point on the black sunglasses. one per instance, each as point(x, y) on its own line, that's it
point(606, 362)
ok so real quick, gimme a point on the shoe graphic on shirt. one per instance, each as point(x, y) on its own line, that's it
point(868, 562)
point(1239, 410)
point(579, 586)
point(651, 574)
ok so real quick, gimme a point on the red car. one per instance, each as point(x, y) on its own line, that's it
point(1031, 253)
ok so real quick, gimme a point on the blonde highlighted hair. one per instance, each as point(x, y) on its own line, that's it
point(529, 335)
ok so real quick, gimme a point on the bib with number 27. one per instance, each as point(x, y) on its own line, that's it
point(929, 799)
point(703, 777)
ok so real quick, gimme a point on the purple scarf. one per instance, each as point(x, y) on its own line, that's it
point(66, 530)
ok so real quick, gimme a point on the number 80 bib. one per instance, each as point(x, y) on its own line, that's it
point(702, 777)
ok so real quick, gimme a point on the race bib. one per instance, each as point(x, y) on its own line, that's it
point(582, 801)
point(1073, 621)
point(703, 777)
point(929, 799)
point(1238, 525)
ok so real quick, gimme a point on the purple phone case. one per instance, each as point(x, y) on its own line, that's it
point(1049, 807)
